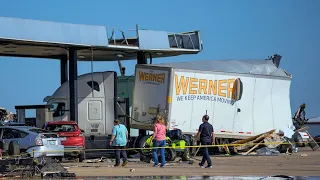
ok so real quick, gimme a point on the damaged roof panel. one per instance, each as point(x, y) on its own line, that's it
point(257, 67)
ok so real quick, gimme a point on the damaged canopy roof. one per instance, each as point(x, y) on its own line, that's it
point(257, 67)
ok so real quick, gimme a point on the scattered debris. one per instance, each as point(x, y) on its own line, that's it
point(273, 141)
point(6, 115)
point(27, 167)
point(303, 155)
point(94, 160)
point(269, 143)
point(267, 151)
point(251, 143)
point(132, 170)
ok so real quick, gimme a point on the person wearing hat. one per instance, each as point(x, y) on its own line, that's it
point(207, 137)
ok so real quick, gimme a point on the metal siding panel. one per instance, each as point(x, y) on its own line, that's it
point(262, 106)
point(153, 39)
point(281, 104)
point(243, 121)
point(44, 31)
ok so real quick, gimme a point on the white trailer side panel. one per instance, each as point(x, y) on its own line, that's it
point(149, 96)
point(281, 103)
point(244, 121)
point(262, 105)
point(197, 93)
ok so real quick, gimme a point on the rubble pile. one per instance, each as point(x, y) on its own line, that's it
point(269, 143)
point(50, 168)
point(27, 167)
point(5, 114)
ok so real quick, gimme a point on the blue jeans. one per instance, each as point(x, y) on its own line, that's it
point(119, 151)
point(155, 152)
point(205, 156)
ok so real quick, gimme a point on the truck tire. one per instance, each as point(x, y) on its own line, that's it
point(82, 156)
point(297, 138)
point(146, 159)
point(1, 145)
point(185, 155)
point(170, 154)
point(59, 159)
point(142, 144)
point(14, 148)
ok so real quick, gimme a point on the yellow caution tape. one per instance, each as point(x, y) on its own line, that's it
point(168, 147)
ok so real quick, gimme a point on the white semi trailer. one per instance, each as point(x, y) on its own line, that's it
point(242, 97)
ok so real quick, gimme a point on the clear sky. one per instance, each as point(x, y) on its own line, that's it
point(246, 29)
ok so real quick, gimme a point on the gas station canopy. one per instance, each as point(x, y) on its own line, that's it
point(43, 39)
point(71, 43)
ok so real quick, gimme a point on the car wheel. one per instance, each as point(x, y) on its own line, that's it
point(82, 156)
point(14, 148)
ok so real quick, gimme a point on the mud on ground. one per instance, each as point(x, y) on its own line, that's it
point(304, 163)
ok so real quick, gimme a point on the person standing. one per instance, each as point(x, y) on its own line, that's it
point(300, 117)
point(207, 137)
point(159, 140)
point(119, 141)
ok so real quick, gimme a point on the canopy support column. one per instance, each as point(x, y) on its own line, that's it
point(73, 84)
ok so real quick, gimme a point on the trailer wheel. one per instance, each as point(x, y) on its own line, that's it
point(221, 142)
point(297, 138)
point(14, 148)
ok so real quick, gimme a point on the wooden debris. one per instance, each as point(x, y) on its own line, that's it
point(253, 148)
point(242, 141)
point(273, 141)
point(312, 143)
point(226, 148)
point(249, 142)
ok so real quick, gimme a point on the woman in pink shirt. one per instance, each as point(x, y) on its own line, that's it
point(159, 140)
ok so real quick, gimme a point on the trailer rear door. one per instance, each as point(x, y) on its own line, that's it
point(150, 96)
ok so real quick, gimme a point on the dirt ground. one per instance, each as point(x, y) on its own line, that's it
point(304, 163)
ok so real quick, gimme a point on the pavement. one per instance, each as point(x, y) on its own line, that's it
point(303, 163)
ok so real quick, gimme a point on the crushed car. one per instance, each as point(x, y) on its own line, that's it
point(36, 142)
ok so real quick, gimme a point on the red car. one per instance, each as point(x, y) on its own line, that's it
point(71, 137)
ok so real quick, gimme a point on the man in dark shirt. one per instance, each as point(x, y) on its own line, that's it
point(207, 137)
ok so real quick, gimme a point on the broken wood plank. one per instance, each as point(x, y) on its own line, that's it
point(249, 144)
point(246, 153)
point(226, 148)
point(312, 143)
point(242, 141)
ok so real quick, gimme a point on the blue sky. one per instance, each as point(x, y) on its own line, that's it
point(230, 30)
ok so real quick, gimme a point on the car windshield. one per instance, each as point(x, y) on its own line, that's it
point(61, 127)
